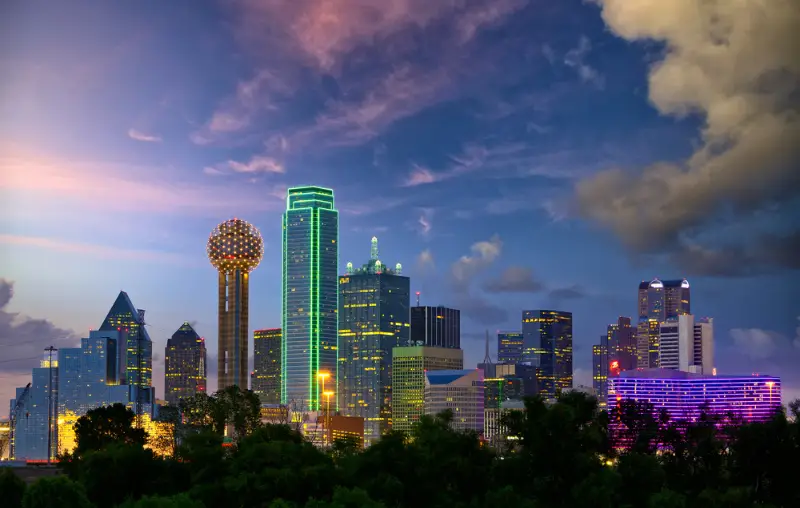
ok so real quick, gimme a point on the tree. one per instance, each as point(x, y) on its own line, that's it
point(347, 498)
point(12, 488)
point(107, 425)
point(55, 492)
point(179, 501)
point(241, 409)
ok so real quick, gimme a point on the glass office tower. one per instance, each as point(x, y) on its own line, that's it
point(509, 347)
point(267, 365)
point(547, 345)
point(310, 296)
point(373, 319)
point(184, 365)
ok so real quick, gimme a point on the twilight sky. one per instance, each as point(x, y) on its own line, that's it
point(512, 154)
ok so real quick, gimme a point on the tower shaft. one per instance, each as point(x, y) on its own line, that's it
point(233, 315)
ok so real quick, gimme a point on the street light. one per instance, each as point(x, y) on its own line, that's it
point(770, 384)
point(321, 377)
point(327, 415)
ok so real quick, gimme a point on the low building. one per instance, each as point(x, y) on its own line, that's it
point(685, 396)
point(460, 391)
point(494, 432)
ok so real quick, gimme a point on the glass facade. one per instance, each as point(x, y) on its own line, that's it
point(267, 365)
point(184, 365)
point(310, 296)
point(658, 301)
point(600, 371)
point(373, 319)
point(34, 415)
point(547, 345)
point(409, 364)
point(509, 347)
point(138, 348)
point(435, 327)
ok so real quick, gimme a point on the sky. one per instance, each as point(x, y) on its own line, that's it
point(511, 154)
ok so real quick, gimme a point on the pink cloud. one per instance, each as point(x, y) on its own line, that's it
point(141, 136)
point(50, 181)
point(99, 251)
point(420, 176)
point(258, 164)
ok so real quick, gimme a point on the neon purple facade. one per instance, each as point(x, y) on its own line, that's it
point(685, 395)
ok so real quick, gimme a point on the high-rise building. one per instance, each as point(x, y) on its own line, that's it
point(34, 415)
point(509, 347)
point(373, 320)
point(435, 327)
point(622, 346)
point(547, 345)
point(687, 344)
point(600, 367)
point(310, 297)
point(184, 365)
point(460, 391)
point(267, 365)
point(235, 249)
point(409, 364)
point(658, 301)
point(137, 351)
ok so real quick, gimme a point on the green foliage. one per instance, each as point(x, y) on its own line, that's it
point(12, 488)
point(105, 426)
point(55, 492)
point(179, 501)
point(559, 457)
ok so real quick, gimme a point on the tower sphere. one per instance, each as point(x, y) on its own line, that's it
point(235, 245)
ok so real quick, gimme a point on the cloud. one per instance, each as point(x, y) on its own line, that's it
point(582, 377)
point(49, 182)
point(425, 221)
point(573, 292)
point(140, 136)
point(425, 261)
point(575, 59)
point(259, 93)
point(515, 279)
point(735, 64)
point(98, 251)
point(483, 254)
point(756, 343)
point(419, 176)
point(763, 254)
point(258, 164)
point(480, 310)
point(24, 338)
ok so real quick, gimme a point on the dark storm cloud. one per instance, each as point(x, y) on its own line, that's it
point(23, 338)
point(514, 279)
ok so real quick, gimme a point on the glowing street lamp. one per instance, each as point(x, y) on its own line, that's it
point(321, 377)
point(327, 415)
point(770, 384)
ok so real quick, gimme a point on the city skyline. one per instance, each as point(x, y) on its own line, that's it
point(511, 157)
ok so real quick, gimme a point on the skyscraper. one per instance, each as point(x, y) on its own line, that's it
point(687, 344)
point(33, 415)
point(310, 296)
point(600, 364)
point(137, 351)
point(460, 391)
point(622, 343)
point(184, 365)
point(547, 345)
point(235, 249)
point(267, 365)
point(373, 319)
point(409, 365)
point(509, 347)
point(435, 327)
point(658, 301)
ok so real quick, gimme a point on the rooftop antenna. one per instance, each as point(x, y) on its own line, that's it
point(486, 358)
point(417, 298)
point(373, 252)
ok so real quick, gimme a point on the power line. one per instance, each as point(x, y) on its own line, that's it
point(37, 357)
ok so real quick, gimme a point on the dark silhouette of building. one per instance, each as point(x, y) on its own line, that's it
point(436, 327)
point(184, 365)
point(267, 365)
point(547, 345)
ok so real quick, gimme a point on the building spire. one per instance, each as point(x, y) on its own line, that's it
point(373, 253)
point(486, 358)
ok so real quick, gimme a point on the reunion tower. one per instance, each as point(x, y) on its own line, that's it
point(235, 249)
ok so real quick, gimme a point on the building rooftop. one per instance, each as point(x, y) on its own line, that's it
point(443, 377)
point(677, 374)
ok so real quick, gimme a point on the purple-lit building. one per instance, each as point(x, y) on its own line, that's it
point(685, 395)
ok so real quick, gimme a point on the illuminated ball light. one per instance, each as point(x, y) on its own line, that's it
point(235, 245)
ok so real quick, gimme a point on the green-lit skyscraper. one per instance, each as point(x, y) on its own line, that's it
point(310, 298)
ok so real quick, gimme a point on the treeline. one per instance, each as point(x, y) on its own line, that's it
point(560, 456)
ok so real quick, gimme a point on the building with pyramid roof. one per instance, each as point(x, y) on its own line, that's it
point(184, 365)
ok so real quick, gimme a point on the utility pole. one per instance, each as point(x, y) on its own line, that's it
point(51, 406)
